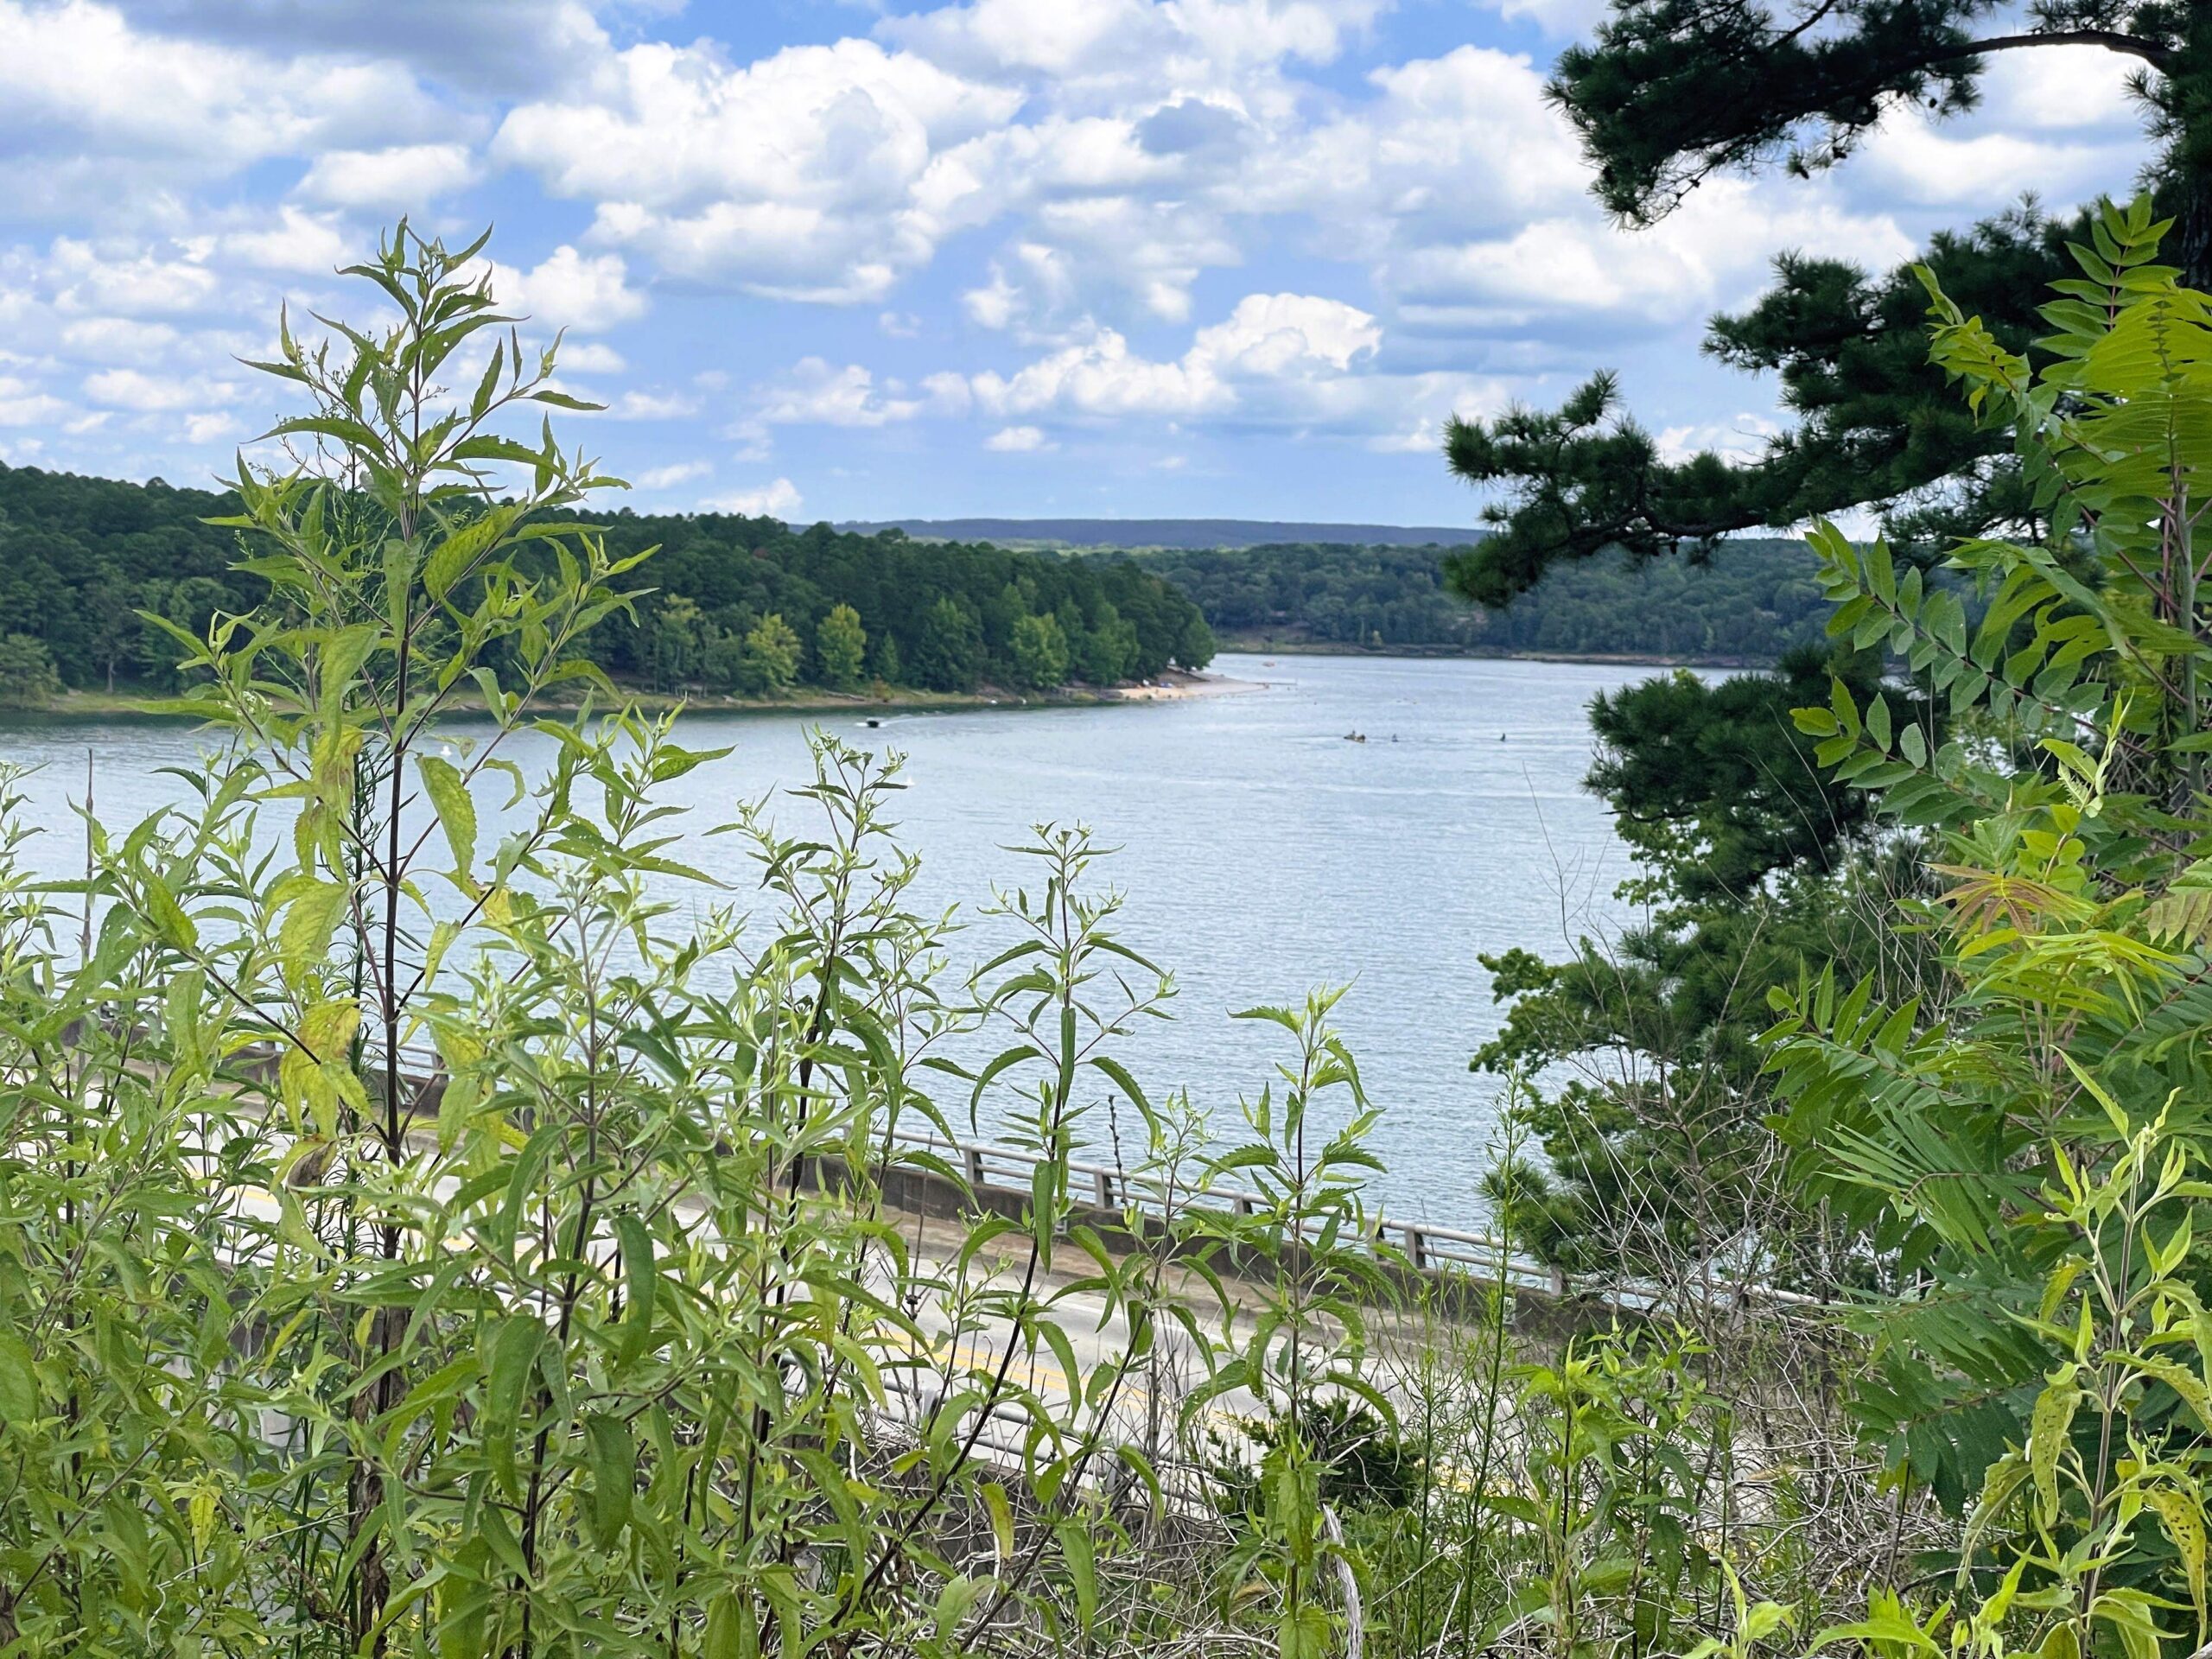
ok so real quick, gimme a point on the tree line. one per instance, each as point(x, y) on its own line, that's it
point(1750, 600)
point(748, 606)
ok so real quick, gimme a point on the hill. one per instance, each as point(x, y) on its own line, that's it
point(740, 605)
point(1752, 601)
point(1132, 533)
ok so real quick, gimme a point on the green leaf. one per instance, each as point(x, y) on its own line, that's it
point(19, 1400)
point(1001, 1514)
point(641, 1282)
point(1080, 1557)
point(303, 941)
point(2048, 1426)
point(457, 810)
point(614, 1475)
point(728, 1619)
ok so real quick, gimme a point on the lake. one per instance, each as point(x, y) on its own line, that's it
point(1261, 854)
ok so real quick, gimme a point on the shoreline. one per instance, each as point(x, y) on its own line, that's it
point(1179, 685)
point(1493, 654)
point(74, 707)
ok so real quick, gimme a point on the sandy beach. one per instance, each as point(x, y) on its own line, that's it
point(1176, 686)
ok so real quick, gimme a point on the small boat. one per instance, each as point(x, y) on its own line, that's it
point(1355, 737)
point(873, 723)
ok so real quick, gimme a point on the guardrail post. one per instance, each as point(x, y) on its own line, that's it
point(1241, 1205)
point(1101, 1189)
point(971, 1161)
point(1416, 1249)
point(1559, 1281)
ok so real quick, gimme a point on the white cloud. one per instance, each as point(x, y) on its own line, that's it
point(1713, 251)
point(591, 357)
point(403, 178)
point(993, 306)
point(682, 472)
point(134, 388)
point(816, 394)
point(2063, 87)
point(297, 242)
point(1742, 438)
point(794, 175)
point(22, 404)
point(117, 340)
point(117, 107)
point(89, 278)
point(207, 427)
point(583, 292)
point(1279, 338)
point(1918, 160)
point(652, 406)
point(1018, 441)
point(1554, 17)
point(778, 499)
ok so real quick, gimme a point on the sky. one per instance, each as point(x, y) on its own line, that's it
point(833, 260)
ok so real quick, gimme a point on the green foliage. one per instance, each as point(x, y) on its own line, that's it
point(406, 1239)
point(2021, 1148)
point(841, 648)
point(1648, 1102)
point(1874, 424)
point(948, 654)
point(1040, 652)
point(1305, 1340)
point(26, 676)
point(84, 561)
point(1751, 600)
point(772, 651)
point(1809, 96)
point(1622, 1443)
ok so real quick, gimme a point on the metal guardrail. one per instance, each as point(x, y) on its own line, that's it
point(1423, 1246)
point(990, 1165)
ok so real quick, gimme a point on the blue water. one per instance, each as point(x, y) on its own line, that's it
point(1260, 853)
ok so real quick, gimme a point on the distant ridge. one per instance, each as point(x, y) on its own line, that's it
point(1168, 532)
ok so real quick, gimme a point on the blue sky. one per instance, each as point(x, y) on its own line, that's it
point(831, 260)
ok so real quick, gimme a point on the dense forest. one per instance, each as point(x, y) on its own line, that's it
point(1750, 602)
point(740, 606)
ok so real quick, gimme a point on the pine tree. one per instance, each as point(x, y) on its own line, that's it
point(1876, 422)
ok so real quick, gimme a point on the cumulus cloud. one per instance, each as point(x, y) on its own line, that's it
point(653, 406)
point(301, 242)
point(473, 46)
point(795, 175)
point(778, 498)
point(404, 177)
point(23, 404)
point(133, 389)
point(1267, 338)
point(1074, 193)
point(108, 101)
point(663, 478)
point(117, 340)
point(1715, 250)
point(591, 357)
point(209, 425)
point(132, 280)
point(815, 393)
point(583, 292)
